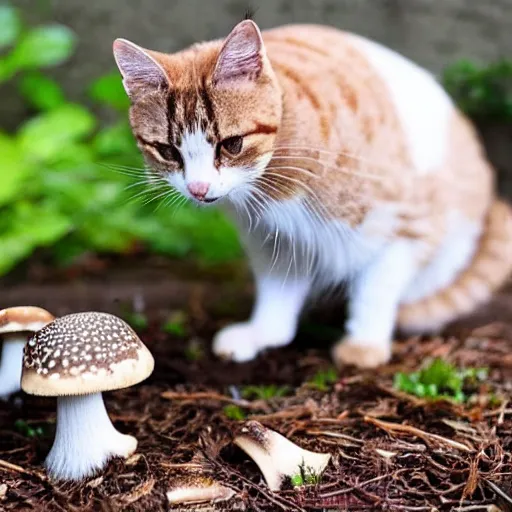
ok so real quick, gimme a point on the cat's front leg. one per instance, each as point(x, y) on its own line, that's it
point(374, 297)
point(273, 323)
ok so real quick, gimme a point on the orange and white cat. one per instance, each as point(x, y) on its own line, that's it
point(340, 161)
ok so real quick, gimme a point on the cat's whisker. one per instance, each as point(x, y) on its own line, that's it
point(325, 166)
point(352, 156)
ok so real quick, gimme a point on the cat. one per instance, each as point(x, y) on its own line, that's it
point(340, 161)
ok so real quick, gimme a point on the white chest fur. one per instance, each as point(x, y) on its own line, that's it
point(293, 239)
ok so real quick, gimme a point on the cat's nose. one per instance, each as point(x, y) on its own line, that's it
point(198, 189)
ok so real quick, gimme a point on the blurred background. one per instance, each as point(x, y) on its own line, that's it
point(71, 194)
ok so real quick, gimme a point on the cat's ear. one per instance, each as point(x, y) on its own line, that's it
point(242, 56)
point(140, 71)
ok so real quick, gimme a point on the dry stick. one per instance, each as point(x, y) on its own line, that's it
point(204, 395)
point(358, 487)
point(426, 436)
point(499, 491)
point(13, 467)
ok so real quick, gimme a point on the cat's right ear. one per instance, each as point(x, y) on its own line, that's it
point(140, 71)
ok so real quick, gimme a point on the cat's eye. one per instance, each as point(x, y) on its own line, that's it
point(232, 145)
point(170, 153)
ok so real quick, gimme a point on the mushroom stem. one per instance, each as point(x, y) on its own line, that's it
point(85, 438)
point(276, 456)
point(11, 365)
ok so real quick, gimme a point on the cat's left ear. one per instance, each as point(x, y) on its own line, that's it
point(242, 57)
point(140, 71)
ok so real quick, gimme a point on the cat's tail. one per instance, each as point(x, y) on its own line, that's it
point(489, 269)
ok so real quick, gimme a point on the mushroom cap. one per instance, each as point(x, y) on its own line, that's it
point(23, 319)
point(84, 353)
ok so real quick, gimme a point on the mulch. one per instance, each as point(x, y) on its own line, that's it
point(390, 451)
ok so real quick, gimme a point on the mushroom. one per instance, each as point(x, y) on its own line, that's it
point(75, 358)
point(198, 489)
point(16, 326)
point(277, 457)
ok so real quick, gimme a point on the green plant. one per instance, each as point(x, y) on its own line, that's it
point(440, 380)
point(305, 476)
point(26, 430)
point(482, 92)
point(69, 183)
point(324, 379)
point(176, 324)
point(264, 392)
point(234, 412)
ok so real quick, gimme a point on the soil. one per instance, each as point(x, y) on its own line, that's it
point(390, 451)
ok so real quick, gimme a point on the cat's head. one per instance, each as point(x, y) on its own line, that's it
point(206, 118)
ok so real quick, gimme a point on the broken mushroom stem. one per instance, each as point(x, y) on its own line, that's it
point(277, 457)
point(85, 438)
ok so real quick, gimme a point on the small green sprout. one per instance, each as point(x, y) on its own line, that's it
point(138, 321)
point(440, 380)
point(306, 476)
point(25, 429)
point(235, 413)
point(264, 392)
point(323, 380)
point(176, 324)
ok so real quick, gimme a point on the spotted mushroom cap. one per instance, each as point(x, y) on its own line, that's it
point(84, 353)
point(23, 319)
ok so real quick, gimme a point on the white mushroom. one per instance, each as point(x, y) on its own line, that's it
point(16, 326)
point(198, 489)
point(278, 458)
point(76, 358)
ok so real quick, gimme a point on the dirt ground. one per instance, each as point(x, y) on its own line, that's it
point(391, 451)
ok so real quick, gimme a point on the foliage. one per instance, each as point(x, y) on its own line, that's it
point(176, 324)
point(482, 92)
point(264, 392)
point(440, 380)
point(26, 430)
point(234, 412)
point(70, 183)
point(305, 476)
point(323, 380)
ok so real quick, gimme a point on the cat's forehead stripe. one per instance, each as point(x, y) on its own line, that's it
point(188, 110)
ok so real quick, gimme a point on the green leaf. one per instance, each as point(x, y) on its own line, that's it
point(14, 169)
point(43, 137)
point(109, 91)
point(43, 47)
point(235, 413)
point(40, 91)
point(115, 140)
point(30, 226)
point(10, 25)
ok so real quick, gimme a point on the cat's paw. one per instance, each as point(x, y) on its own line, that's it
point(243, 342)
point(236, 342)
point(350, 351)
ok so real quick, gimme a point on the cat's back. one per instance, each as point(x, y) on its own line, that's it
point(359, 77)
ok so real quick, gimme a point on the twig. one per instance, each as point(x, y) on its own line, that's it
point(357, 487)
point(18, 469)
point(205, 395)
point(499, 491)
point(426, 436)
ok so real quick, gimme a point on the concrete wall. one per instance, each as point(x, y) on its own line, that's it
point(432, 32)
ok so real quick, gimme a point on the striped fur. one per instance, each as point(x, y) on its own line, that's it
point(340, 161)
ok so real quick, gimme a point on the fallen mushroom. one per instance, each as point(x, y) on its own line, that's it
point(76, 358)
point(16, 326)
point(197, 490)
point(277, 457)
